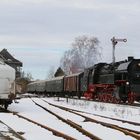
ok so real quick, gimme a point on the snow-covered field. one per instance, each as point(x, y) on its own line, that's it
point(31, 131)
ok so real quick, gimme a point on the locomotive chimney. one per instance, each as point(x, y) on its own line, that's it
point(130, 58)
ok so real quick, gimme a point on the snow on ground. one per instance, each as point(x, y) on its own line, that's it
point(33, 132)
point(130, 113)
point(91, 127)
point(27, 108)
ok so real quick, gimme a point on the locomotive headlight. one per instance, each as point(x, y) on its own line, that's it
point(139, 64)
point(127, 83)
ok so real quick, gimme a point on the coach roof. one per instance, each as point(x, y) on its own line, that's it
point(75, 74)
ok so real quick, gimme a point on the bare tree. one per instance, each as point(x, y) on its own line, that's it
point(23, 81)
point(27, 75)
point(84, 53)
point(65, 62)
point(51, 73)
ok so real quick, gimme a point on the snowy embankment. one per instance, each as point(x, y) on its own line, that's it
point(130, 113)
point(27, 108)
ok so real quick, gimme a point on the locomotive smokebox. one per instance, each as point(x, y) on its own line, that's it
point(130, 58)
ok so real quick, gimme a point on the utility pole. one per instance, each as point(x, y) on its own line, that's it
point(114, 42)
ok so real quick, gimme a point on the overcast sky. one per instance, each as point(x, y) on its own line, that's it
point(37, 32)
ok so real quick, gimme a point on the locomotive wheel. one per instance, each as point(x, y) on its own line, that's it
point(100, 98)
point(124, 100)
point(105, 98)
point(111, 99)
point(6, 106)
point(131, 98)
point(116, 101)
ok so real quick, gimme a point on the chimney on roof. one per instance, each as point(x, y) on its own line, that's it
point(130, 58)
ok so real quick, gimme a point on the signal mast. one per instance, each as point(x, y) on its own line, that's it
point(114, 43)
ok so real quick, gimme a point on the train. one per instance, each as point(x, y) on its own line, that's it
point(106, 82)
point(7, 84)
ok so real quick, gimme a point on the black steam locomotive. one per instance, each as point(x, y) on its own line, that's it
point(114, 82)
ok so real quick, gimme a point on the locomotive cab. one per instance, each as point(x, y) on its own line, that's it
point(122, 81)
point(134, 78)
point(128, 74)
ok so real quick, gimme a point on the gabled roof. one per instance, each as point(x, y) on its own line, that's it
point(8, 58)
point(59, 72)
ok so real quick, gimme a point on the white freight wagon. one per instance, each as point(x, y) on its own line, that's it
point(7, 84)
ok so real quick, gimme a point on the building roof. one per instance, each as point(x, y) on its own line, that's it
point(59, 72)
point(8, 58)
point(74, 74)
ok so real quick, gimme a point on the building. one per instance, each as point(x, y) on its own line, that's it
point(59, 72)
point(11, 61)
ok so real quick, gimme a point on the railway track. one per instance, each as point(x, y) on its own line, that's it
point(74, 125)
point(71, 123)
point(55, 132)
point(126, 131)
point(7, 133)
point(69, 109)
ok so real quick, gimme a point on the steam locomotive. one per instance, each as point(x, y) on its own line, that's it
point(114, 82)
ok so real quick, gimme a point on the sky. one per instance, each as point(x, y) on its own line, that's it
point(38, 32)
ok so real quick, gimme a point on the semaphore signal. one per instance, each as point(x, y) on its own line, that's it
point(114, 42)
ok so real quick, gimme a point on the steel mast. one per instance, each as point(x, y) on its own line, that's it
point(114, 42)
